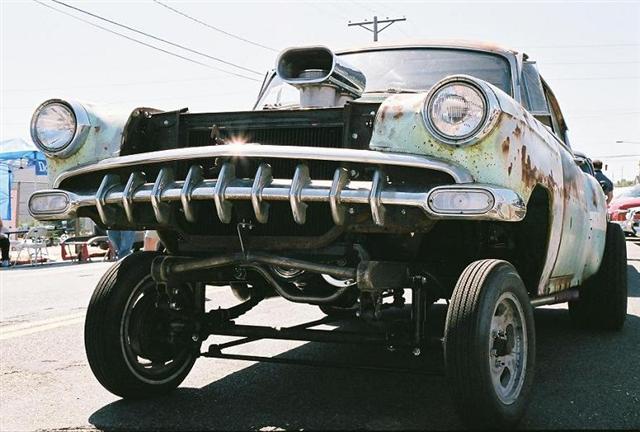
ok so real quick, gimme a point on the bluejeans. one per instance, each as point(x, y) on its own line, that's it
point(122, 242)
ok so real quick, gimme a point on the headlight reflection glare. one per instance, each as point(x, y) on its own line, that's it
point(54, 127)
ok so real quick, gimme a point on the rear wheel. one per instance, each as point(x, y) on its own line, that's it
point(602, 304)
point(490, 345)
point(136, 336)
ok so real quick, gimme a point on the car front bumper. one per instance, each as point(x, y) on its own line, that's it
point(496, 203)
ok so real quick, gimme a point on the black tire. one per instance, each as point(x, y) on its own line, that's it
point(482, 290)
point(118, 318)
point(603, 297)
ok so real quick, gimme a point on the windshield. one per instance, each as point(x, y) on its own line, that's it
point(412, 70)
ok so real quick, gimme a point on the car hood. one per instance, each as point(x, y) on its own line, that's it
point(624, 204)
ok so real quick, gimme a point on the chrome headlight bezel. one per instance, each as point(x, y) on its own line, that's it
point(489, 116)
point(82, 126)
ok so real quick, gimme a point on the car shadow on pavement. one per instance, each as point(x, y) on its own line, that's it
point(584, 380)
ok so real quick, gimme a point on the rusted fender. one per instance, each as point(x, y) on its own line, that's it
point(517, 152)
point(102, 141)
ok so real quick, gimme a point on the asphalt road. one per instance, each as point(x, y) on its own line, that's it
point(583, 380)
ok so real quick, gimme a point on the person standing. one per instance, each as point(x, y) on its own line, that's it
point(122, 242)
point(5, 244)
point(607, 185)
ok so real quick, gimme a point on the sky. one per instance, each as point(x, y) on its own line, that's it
point(589, 53)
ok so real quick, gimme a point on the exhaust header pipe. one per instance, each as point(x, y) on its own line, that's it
point(324, 80)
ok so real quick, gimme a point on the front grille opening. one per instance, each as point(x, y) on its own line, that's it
point(304, 137)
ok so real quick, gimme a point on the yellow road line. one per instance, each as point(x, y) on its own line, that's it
point(9, 332)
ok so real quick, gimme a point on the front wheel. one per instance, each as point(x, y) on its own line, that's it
point(490, 345)
point(137, 335)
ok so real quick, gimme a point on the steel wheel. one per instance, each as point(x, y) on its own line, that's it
point(490, 345)
point(508, 348)
point(138, 337)
point(145, 330)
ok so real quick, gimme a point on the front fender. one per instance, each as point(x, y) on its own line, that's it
point(518, 153)
point(103, 139)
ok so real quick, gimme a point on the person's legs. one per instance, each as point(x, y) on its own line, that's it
point(4, 246)
point(126, 243)
point(115, 239)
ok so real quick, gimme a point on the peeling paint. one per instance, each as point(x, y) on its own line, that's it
point(505, 145)
point(519, 153)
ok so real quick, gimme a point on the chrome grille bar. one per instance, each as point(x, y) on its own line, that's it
point(261, 190)
point(194, 177)
point(340, 193)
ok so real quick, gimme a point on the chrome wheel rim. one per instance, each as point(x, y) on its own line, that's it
point(508, 348)
point(156, 365)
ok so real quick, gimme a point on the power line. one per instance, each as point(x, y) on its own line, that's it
point(155, 37)
point(145, 44)
point(137, 83)
point(375, 30)
point(179, 99)
point(213, 27)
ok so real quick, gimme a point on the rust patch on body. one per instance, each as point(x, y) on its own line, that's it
point(398, 115)
point(517, 131)
point(510, 168)
point(383, 112)
point(531, 175)
point(505, 145)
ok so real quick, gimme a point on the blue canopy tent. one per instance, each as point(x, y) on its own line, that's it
point(13, 153)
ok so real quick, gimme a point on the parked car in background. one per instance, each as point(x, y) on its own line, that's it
point(620, 209)
point(442, 168)
point(631, 225)
point(584, 162)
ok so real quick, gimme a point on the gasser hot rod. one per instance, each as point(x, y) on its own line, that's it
point(435, 170)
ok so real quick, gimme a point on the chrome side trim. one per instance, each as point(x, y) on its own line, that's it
point(459, 174)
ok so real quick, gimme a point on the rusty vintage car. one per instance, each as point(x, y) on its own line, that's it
point(439, 171)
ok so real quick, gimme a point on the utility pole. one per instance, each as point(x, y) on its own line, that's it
point(376, 22)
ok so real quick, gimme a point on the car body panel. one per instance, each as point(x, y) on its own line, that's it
point(530, 155)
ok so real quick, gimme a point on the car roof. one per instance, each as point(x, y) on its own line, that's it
point(436, 43)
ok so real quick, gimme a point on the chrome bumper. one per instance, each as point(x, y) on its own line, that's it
point(340, 193)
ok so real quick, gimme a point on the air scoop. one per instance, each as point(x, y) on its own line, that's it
point(324, 80)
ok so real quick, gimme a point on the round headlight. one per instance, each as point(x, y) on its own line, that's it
point(456, 111)
point(53, 127)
